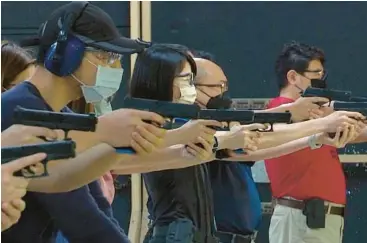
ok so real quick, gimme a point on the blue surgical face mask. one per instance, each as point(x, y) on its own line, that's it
point(108, 81)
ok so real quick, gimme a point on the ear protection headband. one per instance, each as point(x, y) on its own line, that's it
point(65, 55)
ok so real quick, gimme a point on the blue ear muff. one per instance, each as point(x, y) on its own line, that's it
point(66, 54)
point(65, 63)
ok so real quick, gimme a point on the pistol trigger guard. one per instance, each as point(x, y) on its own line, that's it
point(30, 174)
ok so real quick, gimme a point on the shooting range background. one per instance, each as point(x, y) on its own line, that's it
point(246, 38)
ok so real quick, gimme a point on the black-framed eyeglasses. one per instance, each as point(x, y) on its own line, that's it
point(107, 57)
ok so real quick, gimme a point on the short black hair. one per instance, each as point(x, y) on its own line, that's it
point(204, 55)
point(295, 56)
point(156, 68)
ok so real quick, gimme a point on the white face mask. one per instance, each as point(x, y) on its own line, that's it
point(108, 81)
point(188, 93)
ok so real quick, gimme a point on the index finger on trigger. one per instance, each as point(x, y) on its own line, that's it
point(23, 162)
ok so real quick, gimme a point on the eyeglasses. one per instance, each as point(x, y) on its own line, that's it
point(106, 57)
point(223, 85)
point(187, 77)
point(321, 73)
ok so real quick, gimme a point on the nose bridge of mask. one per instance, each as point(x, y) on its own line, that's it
point(108, 80)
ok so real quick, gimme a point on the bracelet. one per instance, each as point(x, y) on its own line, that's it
point(312, 142)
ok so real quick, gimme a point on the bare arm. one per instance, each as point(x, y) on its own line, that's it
point(83, 140)
point(66, 175)
point(284, 133)
point(273, 152)
point(88, 166)
point(341, 138)
point(174, 157)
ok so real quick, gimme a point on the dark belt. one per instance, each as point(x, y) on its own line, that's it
point(301, 205)
point(226, 237)
point(197, 235)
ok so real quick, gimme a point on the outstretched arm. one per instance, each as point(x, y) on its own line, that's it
point(341, 138)
point(174, 157)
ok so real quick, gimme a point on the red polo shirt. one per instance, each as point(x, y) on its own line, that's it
point(307, 173)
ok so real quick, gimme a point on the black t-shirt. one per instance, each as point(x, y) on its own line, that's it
point(180, 193)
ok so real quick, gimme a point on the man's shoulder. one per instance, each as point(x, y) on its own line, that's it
point(277, 101)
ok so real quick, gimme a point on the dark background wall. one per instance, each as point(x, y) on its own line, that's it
point(245, 38)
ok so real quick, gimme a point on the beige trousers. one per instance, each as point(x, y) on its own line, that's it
point(288, 225)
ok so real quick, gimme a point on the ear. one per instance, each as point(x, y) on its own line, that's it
point(292, 76)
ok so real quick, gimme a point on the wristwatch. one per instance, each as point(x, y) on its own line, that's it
point(312, 142)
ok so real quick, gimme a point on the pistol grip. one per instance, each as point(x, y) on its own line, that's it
point(125, 150)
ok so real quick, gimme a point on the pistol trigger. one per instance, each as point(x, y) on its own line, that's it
point(271, 128)
point(66, 133)
point(45, 173)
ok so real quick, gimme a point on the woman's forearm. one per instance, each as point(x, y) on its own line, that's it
point(174, 157)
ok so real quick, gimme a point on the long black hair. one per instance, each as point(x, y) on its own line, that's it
point(156, 68)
